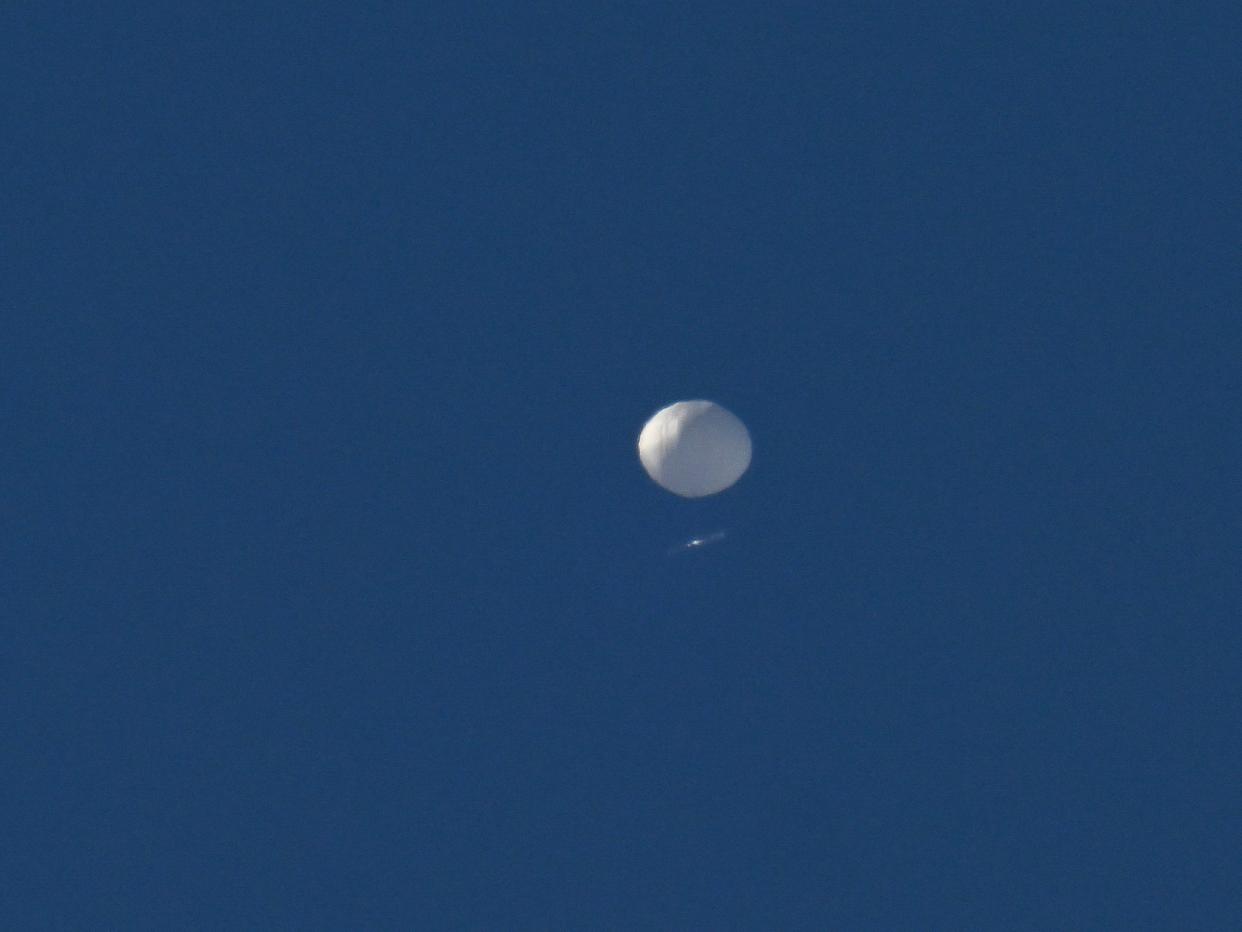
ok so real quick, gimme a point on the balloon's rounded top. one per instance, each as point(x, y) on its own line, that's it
point(694, 448)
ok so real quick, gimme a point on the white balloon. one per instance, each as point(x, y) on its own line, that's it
point(694, 448)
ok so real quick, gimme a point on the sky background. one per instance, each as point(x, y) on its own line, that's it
point(334, 595)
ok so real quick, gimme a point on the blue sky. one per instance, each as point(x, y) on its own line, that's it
point(336, 596)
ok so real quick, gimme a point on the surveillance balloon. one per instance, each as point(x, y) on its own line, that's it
point(694, 448)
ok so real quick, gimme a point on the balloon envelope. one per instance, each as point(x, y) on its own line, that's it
point(694, 448)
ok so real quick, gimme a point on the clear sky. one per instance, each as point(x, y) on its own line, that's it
point(334, 595)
